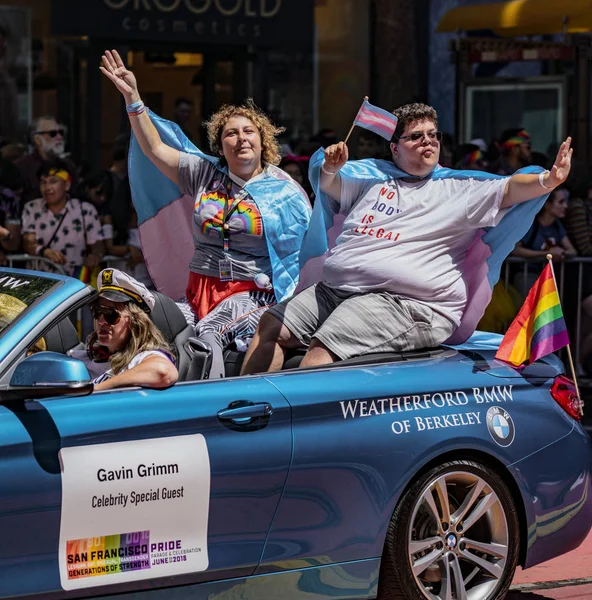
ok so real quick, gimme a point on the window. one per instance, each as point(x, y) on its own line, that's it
point(536, 105)
point(18, 292)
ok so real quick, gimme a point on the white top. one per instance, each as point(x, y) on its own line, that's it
point(410, 238)
point(95, 369)
point(134, 362)
point(101, 371)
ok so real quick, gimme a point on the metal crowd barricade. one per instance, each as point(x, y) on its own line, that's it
point(33, 262)
point(27, 261)
point(560, 268)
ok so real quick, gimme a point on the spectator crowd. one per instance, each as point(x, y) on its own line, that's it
point(55, 206)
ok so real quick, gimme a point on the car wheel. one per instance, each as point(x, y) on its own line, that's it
point(453, 536)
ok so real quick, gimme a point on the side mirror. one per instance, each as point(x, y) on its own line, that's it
point(47, 374)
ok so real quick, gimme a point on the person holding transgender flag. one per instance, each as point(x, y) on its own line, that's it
point(399, 254)
point(224, 230)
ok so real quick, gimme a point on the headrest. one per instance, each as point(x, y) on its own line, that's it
point(167, 316)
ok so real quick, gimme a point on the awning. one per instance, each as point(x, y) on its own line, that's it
point(521, 17)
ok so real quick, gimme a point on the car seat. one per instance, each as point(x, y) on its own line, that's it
point(169, 318)
point(233, 360)
point(62, 337)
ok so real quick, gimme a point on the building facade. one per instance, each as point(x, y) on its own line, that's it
point(305, 62)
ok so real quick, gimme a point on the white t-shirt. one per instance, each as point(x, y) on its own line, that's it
point(134, 362)
point(95, 369)
point(410, 238)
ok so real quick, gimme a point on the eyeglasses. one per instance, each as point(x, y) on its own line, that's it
point(52, 132)
point(415, 137)
point(111, 316)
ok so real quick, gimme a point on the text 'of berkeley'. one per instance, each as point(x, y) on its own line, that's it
point(419, 402)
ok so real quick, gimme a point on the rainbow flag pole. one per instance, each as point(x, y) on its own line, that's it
point(539, 327)
point(571, 363)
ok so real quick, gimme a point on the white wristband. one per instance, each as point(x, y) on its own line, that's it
point(327, 172)
point(541, 175)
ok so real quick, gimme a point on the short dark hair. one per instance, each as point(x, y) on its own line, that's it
point(509, 134)
point(50, 165)
point(408, 113)
point(10, 176)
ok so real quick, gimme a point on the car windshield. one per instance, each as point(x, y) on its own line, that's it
point(18, 292)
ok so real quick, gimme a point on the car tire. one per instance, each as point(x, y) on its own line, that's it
point(478, 549)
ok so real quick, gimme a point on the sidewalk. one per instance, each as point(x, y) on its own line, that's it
point(573, 565)
point(580, 592)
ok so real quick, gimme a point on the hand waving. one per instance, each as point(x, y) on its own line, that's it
point(124, 80)
point(562, 166)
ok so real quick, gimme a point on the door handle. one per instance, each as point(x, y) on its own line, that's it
point(243, 413)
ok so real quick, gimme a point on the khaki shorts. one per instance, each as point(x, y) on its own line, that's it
point(351, 324)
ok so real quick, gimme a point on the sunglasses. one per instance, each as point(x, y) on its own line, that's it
point(111, 316)
point(415, 137)
point(52, 132)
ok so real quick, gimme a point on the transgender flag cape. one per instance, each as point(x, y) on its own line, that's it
point(482, 264)
point(165, 217)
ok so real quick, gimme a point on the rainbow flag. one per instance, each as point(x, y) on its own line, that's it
point(377, 120)
point(539, 328)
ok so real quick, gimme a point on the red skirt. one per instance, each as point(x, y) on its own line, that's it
point(205, 292)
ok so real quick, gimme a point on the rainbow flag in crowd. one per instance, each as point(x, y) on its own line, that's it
point(539, 328)
point(380, 121)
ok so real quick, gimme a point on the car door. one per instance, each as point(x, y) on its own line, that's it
point(202, 465)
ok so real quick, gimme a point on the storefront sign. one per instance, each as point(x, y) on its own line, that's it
point(492, 50)
point(229, 22)
point(134, 510)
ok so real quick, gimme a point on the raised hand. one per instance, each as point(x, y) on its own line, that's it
point(335, 157)
point(562, 166)
point(123, 79)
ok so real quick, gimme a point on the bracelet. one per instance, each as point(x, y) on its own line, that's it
point(134, 107)
point(327, 172)
point(137, 112)
point(541, 175)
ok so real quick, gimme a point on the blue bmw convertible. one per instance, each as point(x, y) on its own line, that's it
point(428, 474)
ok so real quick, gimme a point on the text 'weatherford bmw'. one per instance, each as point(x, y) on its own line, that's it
point(427, 474)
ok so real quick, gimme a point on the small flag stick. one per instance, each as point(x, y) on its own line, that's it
point(571, 364)
point(352, 127)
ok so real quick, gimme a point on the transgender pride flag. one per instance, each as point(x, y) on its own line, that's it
point(377, 120)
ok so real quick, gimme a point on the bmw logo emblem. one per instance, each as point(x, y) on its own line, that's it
point(500, 426)
point(451, 541)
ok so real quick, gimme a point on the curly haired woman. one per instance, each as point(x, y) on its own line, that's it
point(248, 220)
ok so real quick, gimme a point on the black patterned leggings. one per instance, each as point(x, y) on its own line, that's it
point(235, 319)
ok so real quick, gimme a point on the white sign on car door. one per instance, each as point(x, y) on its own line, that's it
point(134, 510)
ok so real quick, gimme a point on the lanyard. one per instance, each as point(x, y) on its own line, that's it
point(228, 210)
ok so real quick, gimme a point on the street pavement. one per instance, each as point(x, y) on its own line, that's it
point(566, 577)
